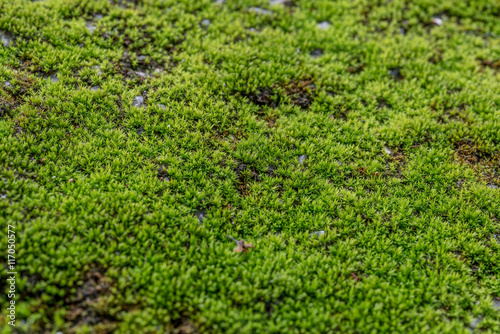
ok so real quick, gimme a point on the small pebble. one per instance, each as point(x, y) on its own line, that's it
point(95, 88)
point(205, 23)
point(71, 180)
point(98, 17)
point(162, 106)
point(402, 31)
point(138, 101)
point(54, 78)
point(219, 2)
point(388, 151)
point(140, 130)
point(318, 233)
point(141, 74)
point(302, 158)
point(7, 84)
point(492, 186)
point(142, 58)
point(3, 196)
point(324, 25)
point(437, 21)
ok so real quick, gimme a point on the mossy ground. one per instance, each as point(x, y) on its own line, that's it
point(122, 207)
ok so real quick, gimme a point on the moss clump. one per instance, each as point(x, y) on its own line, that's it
point(354, 144)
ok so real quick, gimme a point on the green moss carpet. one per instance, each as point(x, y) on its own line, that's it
point(354, 144)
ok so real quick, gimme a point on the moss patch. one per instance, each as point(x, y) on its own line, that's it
point(354, 144)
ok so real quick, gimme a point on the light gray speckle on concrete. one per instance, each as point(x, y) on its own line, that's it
point(496, 304)
point(475, 322)
point(205, 23)
point(324, 25)
point(97, 68)
point(258, 10)
point(90, 27)
point(200, 215)
point(138, 101)
point(6, 39)
point(281, 2)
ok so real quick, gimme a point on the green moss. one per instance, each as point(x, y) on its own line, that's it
point(121, 210)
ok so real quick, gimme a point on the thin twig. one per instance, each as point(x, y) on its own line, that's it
point(230, 237)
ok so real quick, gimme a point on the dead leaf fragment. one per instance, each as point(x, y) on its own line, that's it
point(242, 246)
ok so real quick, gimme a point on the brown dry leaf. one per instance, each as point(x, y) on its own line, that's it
point(242, 246)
